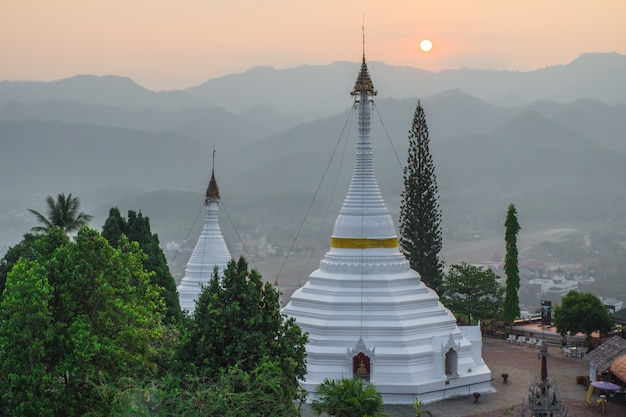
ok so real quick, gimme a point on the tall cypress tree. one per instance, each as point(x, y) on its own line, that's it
point(511, 268)
point(137, 229)
point(420, 215)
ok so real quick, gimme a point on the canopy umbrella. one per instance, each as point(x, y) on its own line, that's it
point(618, 367)
point(605, 385)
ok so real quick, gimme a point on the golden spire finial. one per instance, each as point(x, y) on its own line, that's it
point(213, 191)
point(363, 82)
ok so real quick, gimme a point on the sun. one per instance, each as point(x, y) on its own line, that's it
point(426, 45)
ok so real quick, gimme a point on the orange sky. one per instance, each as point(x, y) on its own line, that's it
point(168, 44)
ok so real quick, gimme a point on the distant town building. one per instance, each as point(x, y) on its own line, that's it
point(172, 246)
point(556, 286)
point(612, 305)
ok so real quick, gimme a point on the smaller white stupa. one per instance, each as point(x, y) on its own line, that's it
point(210, 251)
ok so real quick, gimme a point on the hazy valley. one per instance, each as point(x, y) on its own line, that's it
point(551, 141)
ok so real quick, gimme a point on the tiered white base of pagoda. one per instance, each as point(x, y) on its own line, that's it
point(198, 274)
point(374, 309)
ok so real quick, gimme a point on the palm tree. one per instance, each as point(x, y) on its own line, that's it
point(63, 213)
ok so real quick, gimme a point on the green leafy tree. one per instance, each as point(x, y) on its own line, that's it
point(32, 247)
point(348, 397)
point(472, 292)
point(105, 317)
point(25, 332)
point(581, 312)
point(420, 215)
point(13, 254)
point(237, 322)
point(137, 229)
point(62, 212)
point(114, 227)
point(511, 309)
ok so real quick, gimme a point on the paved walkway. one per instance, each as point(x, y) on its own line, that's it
point(523, 366)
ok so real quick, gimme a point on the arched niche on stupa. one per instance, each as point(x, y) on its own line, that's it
point(450, 358)
point(361, 366)
point(362, 360)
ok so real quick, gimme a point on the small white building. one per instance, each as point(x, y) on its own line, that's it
point(557, 286)
point(613, 305)
point(367, 313)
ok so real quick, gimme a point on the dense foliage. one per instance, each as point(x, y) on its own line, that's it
point(137, 229)
point(71, 320)
point(348, 397)
point(237, 321)
point(26, 248)
point(581, 312)
point(263, 392)
point(82, 332)
point(62, 212)
point(25, 336)
point(472, 293)
point(420, 215)
point(511, 309)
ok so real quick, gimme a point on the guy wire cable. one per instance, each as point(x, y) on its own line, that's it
point(388, 137)
point(314, 196)
point(243, 245)
point(330, 202)
point(190, 230)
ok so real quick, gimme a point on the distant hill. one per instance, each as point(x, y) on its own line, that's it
point(321, 90)
point(212, 126)
point(309, 91)
point(282, 136)
point(108, 90)
point(547, 169)
point(50, 157)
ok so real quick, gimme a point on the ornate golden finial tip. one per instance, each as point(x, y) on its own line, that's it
point(363, 82)
point(212, 191)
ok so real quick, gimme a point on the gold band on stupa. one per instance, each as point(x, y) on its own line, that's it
point(363, 243)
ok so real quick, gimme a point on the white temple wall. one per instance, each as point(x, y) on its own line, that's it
point(474, 335)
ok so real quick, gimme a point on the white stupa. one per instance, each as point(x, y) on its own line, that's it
point(210, 251)
point(368, 314)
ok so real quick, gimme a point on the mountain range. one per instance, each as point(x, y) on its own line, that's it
point(551, 141)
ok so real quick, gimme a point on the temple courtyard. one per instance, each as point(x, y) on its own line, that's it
point(522, 365)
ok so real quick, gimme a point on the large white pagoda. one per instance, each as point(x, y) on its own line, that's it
point(210, 251)
point(368, 314)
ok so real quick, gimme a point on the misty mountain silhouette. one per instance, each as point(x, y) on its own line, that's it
point(319, 91)
point(558, 152)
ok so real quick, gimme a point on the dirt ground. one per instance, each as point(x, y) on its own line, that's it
point(522, 364)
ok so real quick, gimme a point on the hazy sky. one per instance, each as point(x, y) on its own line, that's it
point(168, 44)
